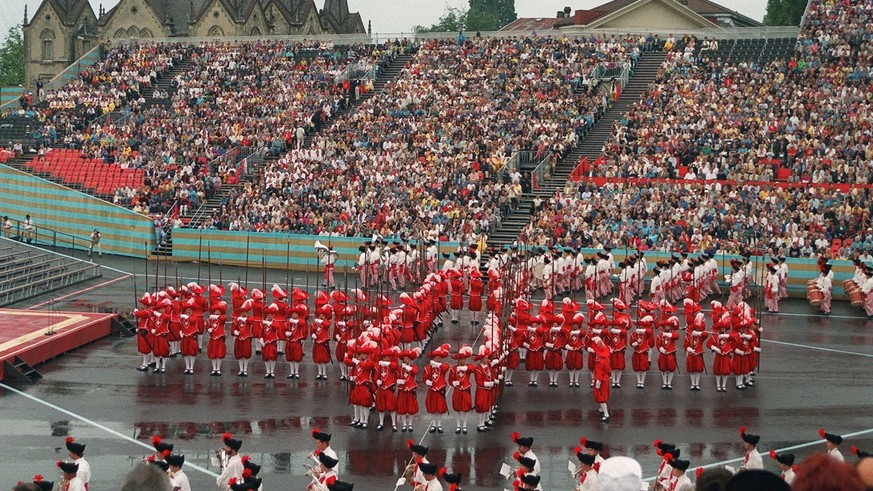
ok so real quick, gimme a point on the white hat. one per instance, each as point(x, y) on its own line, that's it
point(620, 474)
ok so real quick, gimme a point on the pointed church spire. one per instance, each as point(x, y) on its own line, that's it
point(25, 14)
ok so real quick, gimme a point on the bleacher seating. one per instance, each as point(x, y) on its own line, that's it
point(74, 167)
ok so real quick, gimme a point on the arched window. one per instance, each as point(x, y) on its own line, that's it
point(120, 34)
point(48, 39)
point(133, 32)
point(145, 33)
point(216, 31)
point(256, 31)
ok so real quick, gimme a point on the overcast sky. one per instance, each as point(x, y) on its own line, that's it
point(392, 16)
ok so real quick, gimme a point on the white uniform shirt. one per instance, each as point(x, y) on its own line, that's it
point(590, 482)
point(234, 469)
point(836, 455)
point(84, 472)
point(677, 483)
point(75, 484)
point(418, 477)
point(753, 460)
point(788, 476)
point(433, 485)
point(180, 480)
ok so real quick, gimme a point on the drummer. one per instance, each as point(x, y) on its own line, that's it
point(825, 286)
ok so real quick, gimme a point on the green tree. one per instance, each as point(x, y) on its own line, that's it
point(480, 20)
point(12, 58)
point(502, 10)
point(784, 12)
point(451, 21)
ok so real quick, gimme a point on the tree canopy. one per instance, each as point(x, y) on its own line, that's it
point(482, 15)
point(784, 12)
point(12, 58)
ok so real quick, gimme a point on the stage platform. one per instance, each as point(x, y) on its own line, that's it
point(23, 334)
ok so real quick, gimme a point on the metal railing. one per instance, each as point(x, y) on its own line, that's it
point(36, 235)
point(543, 171)
point(509, 167)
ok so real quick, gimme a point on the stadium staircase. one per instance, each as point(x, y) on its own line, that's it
point(165, 84)
point(28, 271)
point(590, 146)
point(195, 218)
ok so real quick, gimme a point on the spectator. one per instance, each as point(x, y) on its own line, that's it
point(819, 472)
point(146, 477)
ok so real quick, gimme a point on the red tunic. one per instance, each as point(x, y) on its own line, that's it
point(386, 381)
point(216, 349)
point(695, 343)
point(407, 402)
point(320, 341)
point(459, 379)
point(160, 343)
point(485, 386)
point(575, 344)
point(435, 379)
point(341, 336)
point(666, 344)
point(601, 373)
point(722, 345)
point(144, 323)
point(641, 342)
point(458, 289)
point(554, 345)
point(535, 359)
point(242, 338)
point(361, 375)
point(270, 338)
point(189, 337)
point(477, 286)
point(616, 340)
point(295, 334)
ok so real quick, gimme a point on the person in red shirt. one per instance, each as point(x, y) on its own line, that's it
point(486, 380)
point(161, 332)
point(144, 325)
point(295, 333)
point(459, 378)
point(642, 341)
point(722, 346)
point(477, 287)
point(575, 345)
point(555, 343)
point(270, 340)
point(616, 339)
point(386, 382)
point(695, 343)
point(361, 393)
point(321, 340)
point(458, 288)
point(534, 360)
point(601, 376)
point(407, 402)
point(258, 307)
point(189, 337)
point(216, 350)
point(435, 379)
point(666, 344)
point(242, 336)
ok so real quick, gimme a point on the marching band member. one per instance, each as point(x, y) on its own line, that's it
point(361, 379)
point(270, 340)
point(586, 472)
point(435, 379)
point(295, 335)
point(667, 452)
point(280, 317)
point(555, 344)
point(458, 289)
point(250, 474)
point(258, 307)
point(407, 402)
point(832, 442)
point(590, 278)
point(771, 289)
point(160, 335)
point(69, 471)
point(189, 337)
point(575, 345)
point(201, 305)
point(452, 479)
point(786, 465)
point(722, 346)
point(737, 279)
point(329, 261)
point(616, 340)
point(179, 479)
point(474, 303)
point(216, 348)
point(321, 340)
point(76, 453)
point(237, 298)
point(782, 269)
point(678, 479)
point(594, 449)
point(430, 257)
point(534, 360)
point(459, 378)
point(656, 289)
point(825, 283)
point(695, 343)
point(524, 450)
point(752, 459)
point(322, 444)
point(431, 483)
point(666, 344)
point(325, 472)
point(530, 481)
point(386, 383)
point(413, 472)
point(363, 265)
point(242, 337)
point(144, 322)
point(234, 467)
point(486, 379)
point(642, 341)
point(601, 376)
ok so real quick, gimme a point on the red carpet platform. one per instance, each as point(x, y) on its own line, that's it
point(22, 334)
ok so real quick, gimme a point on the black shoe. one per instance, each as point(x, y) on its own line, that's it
point(458, 430)
point(432, 429)
point(380, 428)
point(604, 419)
point(508, 384)
point(464, 430)
point(142, 368)
point(439, 429)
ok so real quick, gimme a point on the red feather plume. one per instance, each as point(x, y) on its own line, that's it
point(743, 430)
point(773, 454)
point(668, 457)
point(165, 453)
point(577, 449)
point(315, 431)
point(68, 439)
point(245, 458)
point(794, 467)
point(583, 441)
point(226, 436)
point(659, 452)
point(58, 463)
point(247, 473)
point(156, 439)
point(150, 458)
point(516, 455)
point(453, 487)
point(854, 450)
point(330, 481)
point(232, 481)
point(410, 443)
point(657, 443)
point(442, 472)
point(821, 432)
point(419, 460)
point(37, 478)
point(515, 436)
point(519, 472)
point(698, 472)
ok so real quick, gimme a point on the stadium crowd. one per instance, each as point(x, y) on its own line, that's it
point(422, 154)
